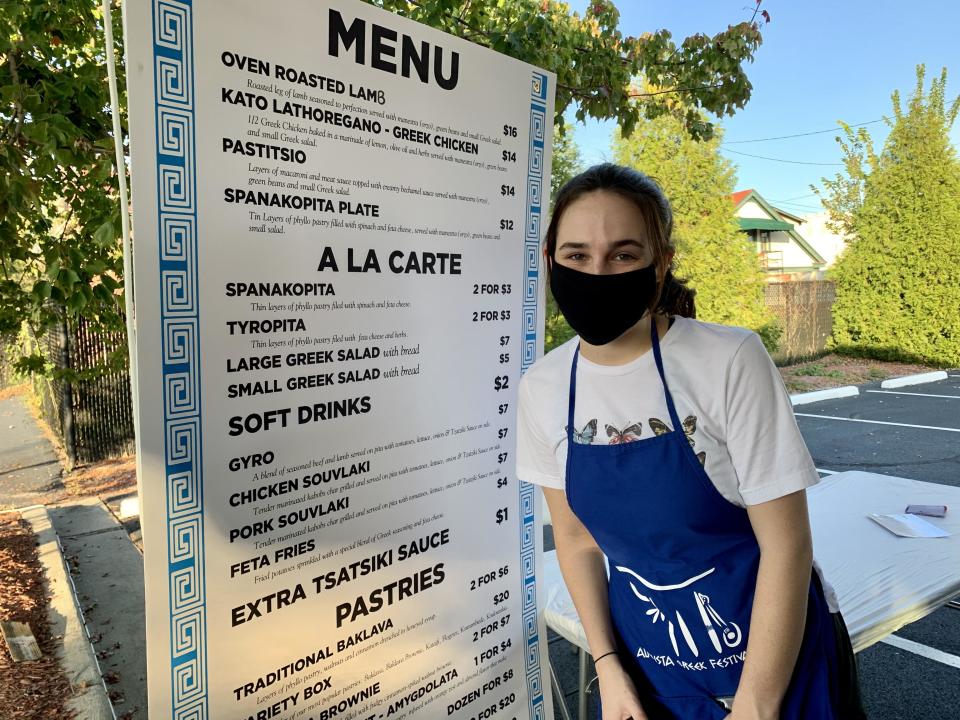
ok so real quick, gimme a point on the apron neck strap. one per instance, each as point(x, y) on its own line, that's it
point(655, 341)
point(572, 401)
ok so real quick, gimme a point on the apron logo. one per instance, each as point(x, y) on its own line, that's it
point(730, 632)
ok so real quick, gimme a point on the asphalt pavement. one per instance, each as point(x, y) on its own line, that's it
point(911, 432)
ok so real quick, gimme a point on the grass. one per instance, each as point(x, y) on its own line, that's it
point(817, 370)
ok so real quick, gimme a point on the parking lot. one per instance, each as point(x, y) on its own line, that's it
point(910, 432)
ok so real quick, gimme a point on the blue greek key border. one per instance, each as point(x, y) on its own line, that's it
point(180, 354)
point(531, 253)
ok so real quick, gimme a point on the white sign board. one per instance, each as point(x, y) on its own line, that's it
point(337, 230)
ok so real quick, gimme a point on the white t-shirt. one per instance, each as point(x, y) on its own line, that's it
point(728, 394)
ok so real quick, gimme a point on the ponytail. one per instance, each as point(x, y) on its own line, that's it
point(676, 298)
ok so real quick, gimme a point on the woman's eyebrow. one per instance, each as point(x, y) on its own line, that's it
point(570, 245)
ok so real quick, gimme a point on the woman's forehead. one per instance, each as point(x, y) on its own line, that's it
point(601, 217)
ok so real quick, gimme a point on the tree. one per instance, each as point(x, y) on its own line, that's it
point(566, 161)
point(60, 253)
point(59, 213)
point(566, 164)
point(843, 195)
point(712, 253)
point(596, 64)
point(898, 280)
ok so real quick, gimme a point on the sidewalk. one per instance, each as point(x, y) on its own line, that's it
point(106, 567)
point(29, 466)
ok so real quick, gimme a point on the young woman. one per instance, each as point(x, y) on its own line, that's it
point(675, 473)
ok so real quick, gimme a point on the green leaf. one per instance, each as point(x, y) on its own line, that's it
point(41, 290)
point(67, 277)
point(103, 294)
point(104, 235)
point(109, 281)
point(95, 267)
point(76, 302)
point(76, 259)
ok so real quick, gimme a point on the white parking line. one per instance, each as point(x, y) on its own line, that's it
point(827, 472)
point(878, 422)
point(897, 392)
point(924, 650)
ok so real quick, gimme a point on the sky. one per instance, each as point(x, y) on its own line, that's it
point(820, 62)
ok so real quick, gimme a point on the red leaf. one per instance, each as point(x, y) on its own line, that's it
point(766, 15)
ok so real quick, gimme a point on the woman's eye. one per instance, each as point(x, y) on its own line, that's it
point(624, 257)
point(576, 257)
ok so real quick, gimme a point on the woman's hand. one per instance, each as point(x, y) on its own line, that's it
point(748, 708)
point(618, 696)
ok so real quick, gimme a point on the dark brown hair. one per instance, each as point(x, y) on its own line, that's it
point(673, 296)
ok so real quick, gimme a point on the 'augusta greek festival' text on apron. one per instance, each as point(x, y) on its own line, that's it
point(683, 566)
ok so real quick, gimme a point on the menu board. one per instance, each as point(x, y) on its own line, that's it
point(337, 221)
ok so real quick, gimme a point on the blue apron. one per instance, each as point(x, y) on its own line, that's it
point(683, 566)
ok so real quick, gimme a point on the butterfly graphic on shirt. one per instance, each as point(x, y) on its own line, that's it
point(659, 427)
point(586, 436)
point(628, 434)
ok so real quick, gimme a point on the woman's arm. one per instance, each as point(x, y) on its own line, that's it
point(584, 572)
point(777, 622)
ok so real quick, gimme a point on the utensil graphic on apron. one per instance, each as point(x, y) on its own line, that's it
point(663, 610)
point(683, 569)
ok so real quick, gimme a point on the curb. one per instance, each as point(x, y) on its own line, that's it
point(76, 655)
point(914, 379)
point(828, 394)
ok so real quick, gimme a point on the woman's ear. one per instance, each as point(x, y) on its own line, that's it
point(667, 260)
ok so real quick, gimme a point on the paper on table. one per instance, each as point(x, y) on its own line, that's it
point(911, 526)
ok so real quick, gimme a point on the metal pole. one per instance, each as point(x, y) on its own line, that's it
point(558, 694)
point(582, 681)
point(124, 216)
point(65, 362)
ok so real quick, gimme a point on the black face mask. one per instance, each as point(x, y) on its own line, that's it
point(600, 308)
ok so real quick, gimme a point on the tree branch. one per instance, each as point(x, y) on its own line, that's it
point(589, 94)
point(17, 116)
point(675, 90)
